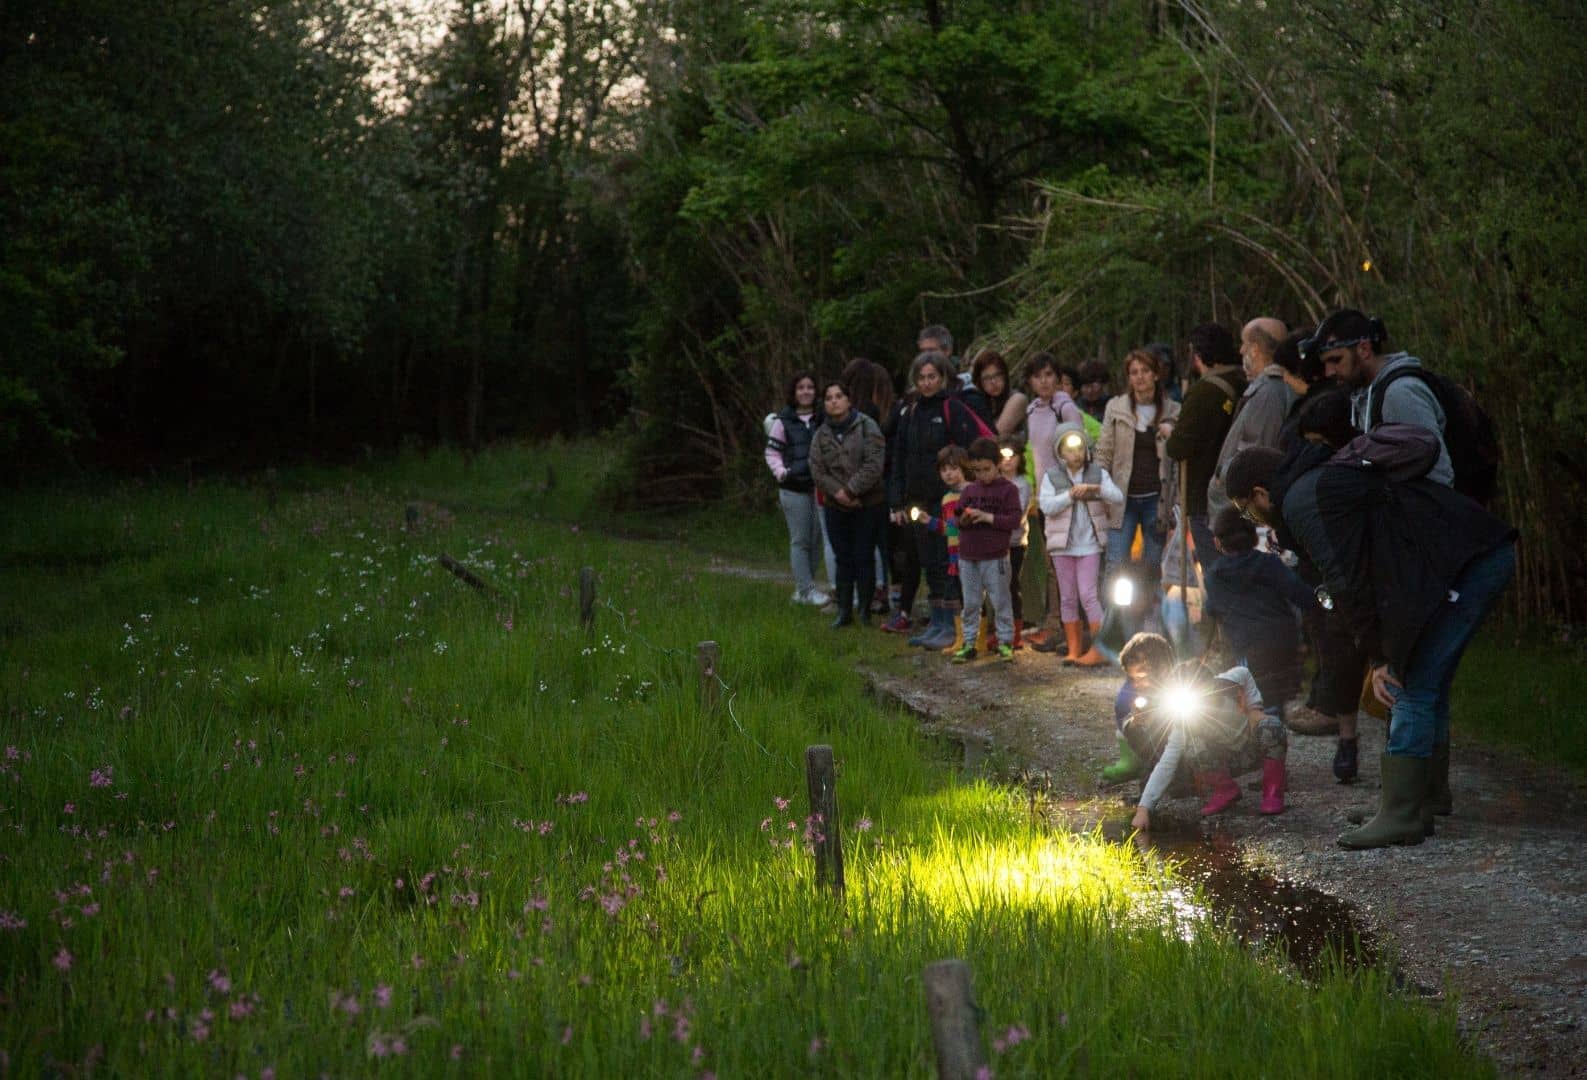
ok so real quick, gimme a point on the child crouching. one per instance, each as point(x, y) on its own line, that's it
point(1214, 725)
point(989, 508)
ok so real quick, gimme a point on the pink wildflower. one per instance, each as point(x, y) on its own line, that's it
point(218, 982)
point(104, 776)
point(863, 825)
point(62, 960)
point(69, 808)
point(567, 1034)
point(10, 920)
point(457, 1052)
point(780, 802)
point(382, 996)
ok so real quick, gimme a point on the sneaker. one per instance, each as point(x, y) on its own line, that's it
point(797, 597)
point(1005, 653)
point(964, 655)
point(817, 598)
point(898, 624)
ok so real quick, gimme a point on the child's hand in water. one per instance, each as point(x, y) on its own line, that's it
point(1142, 820)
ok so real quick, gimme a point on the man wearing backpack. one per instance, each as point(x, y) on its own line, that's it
point(1412, 566)
point(1388, 388)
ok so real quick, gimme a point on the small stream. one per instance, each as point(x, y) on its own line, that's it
point(1209, 880)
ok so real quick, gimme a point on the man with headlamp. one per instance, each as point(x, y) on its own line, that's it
point(1412, 566)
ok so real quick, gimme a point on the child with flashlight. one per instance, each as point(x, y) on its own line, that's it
point(1072, 494)
point(989, 508)
point(1215, 723)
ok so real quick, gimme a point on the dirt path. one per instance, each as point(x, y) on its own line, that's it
point(1493, 909)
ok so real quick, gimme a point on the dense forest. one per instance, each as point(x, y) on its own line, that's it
point(244, 232)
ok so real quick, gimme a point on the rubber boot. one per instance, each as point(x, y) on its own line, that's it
point(1128, 767)
point(1089, 658)
point(958, 635)
point(1224, 792)
point(1347, 761)
point(1399, 816)
point(945, 632)
point(931, 627)
point(1273, 781)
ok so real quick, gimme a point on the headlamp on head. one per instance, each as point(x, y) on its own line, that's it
point(1072, 441)
point(1006, 453)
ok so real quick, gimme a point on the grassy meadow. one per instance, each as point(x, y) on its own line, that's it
point(280, 796)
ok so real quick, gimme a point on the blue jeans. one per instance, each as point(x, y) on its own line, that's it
point(1419, 719)
point(1139, 510)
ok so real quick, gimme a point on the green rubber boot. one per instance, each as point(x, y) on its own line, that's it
point(1128, 767)
point(1399, 816)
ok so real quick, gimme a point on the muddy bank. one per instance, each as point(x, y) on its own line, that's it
point(1492, 910)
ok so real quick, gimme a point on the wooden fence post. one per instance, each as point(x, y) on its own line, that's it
point(954, 1030)
point(706, 655)
point(587, 599)
point(821, 781)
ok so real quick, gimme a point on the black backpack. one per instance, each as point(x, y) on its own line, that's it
point(1468, 432)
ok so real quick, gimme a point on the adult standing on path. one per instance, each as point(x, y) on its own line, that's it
point(1203, 422)
point(1349, 344)
point(1135, 425)
point(846, 460)
point(1414, 565)
point(788, 440)
point(939, 339)
point(1260, 413)
point(934, 420)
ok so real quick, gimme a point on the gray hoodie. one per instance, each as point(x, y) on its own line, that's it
point(1409, 401)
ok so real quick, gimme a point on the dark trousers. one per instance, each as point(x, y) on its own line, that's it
point(906, 565)
point(853, 535)
point(931, 547)
point(1201, 533)
point(1341, 666)
point(1016, 559)
point(1276, 668)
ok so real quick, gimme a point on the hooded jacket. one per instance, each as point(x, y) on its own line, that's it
point(923, 429)
point(1388, 551)
point(1059, 505)
point(1408, 401)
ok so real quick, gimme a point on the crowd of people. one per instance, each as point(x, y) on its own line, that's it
point(1306, 506)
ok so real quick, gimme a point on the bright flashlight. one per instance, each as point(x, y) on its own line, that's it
point(1123, 591)
point(1141, 703)
point(914, 513)
point(1181, 703)
point(1007, 453)
point(1324, 601)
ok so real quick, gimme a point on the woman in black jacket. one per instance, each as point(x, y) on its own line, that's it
point(932, 422)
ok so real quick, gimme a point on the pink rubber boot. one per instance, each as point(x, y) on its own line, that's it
point(1273, 778)
point(1223, 791)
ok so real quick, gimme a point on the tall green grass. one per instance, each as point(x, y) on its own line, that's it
point(280, 793)
point(1518, 692)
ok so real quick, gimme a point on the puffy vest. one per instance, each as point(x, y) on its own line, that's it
point(795, 448)
point(1058, 527)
